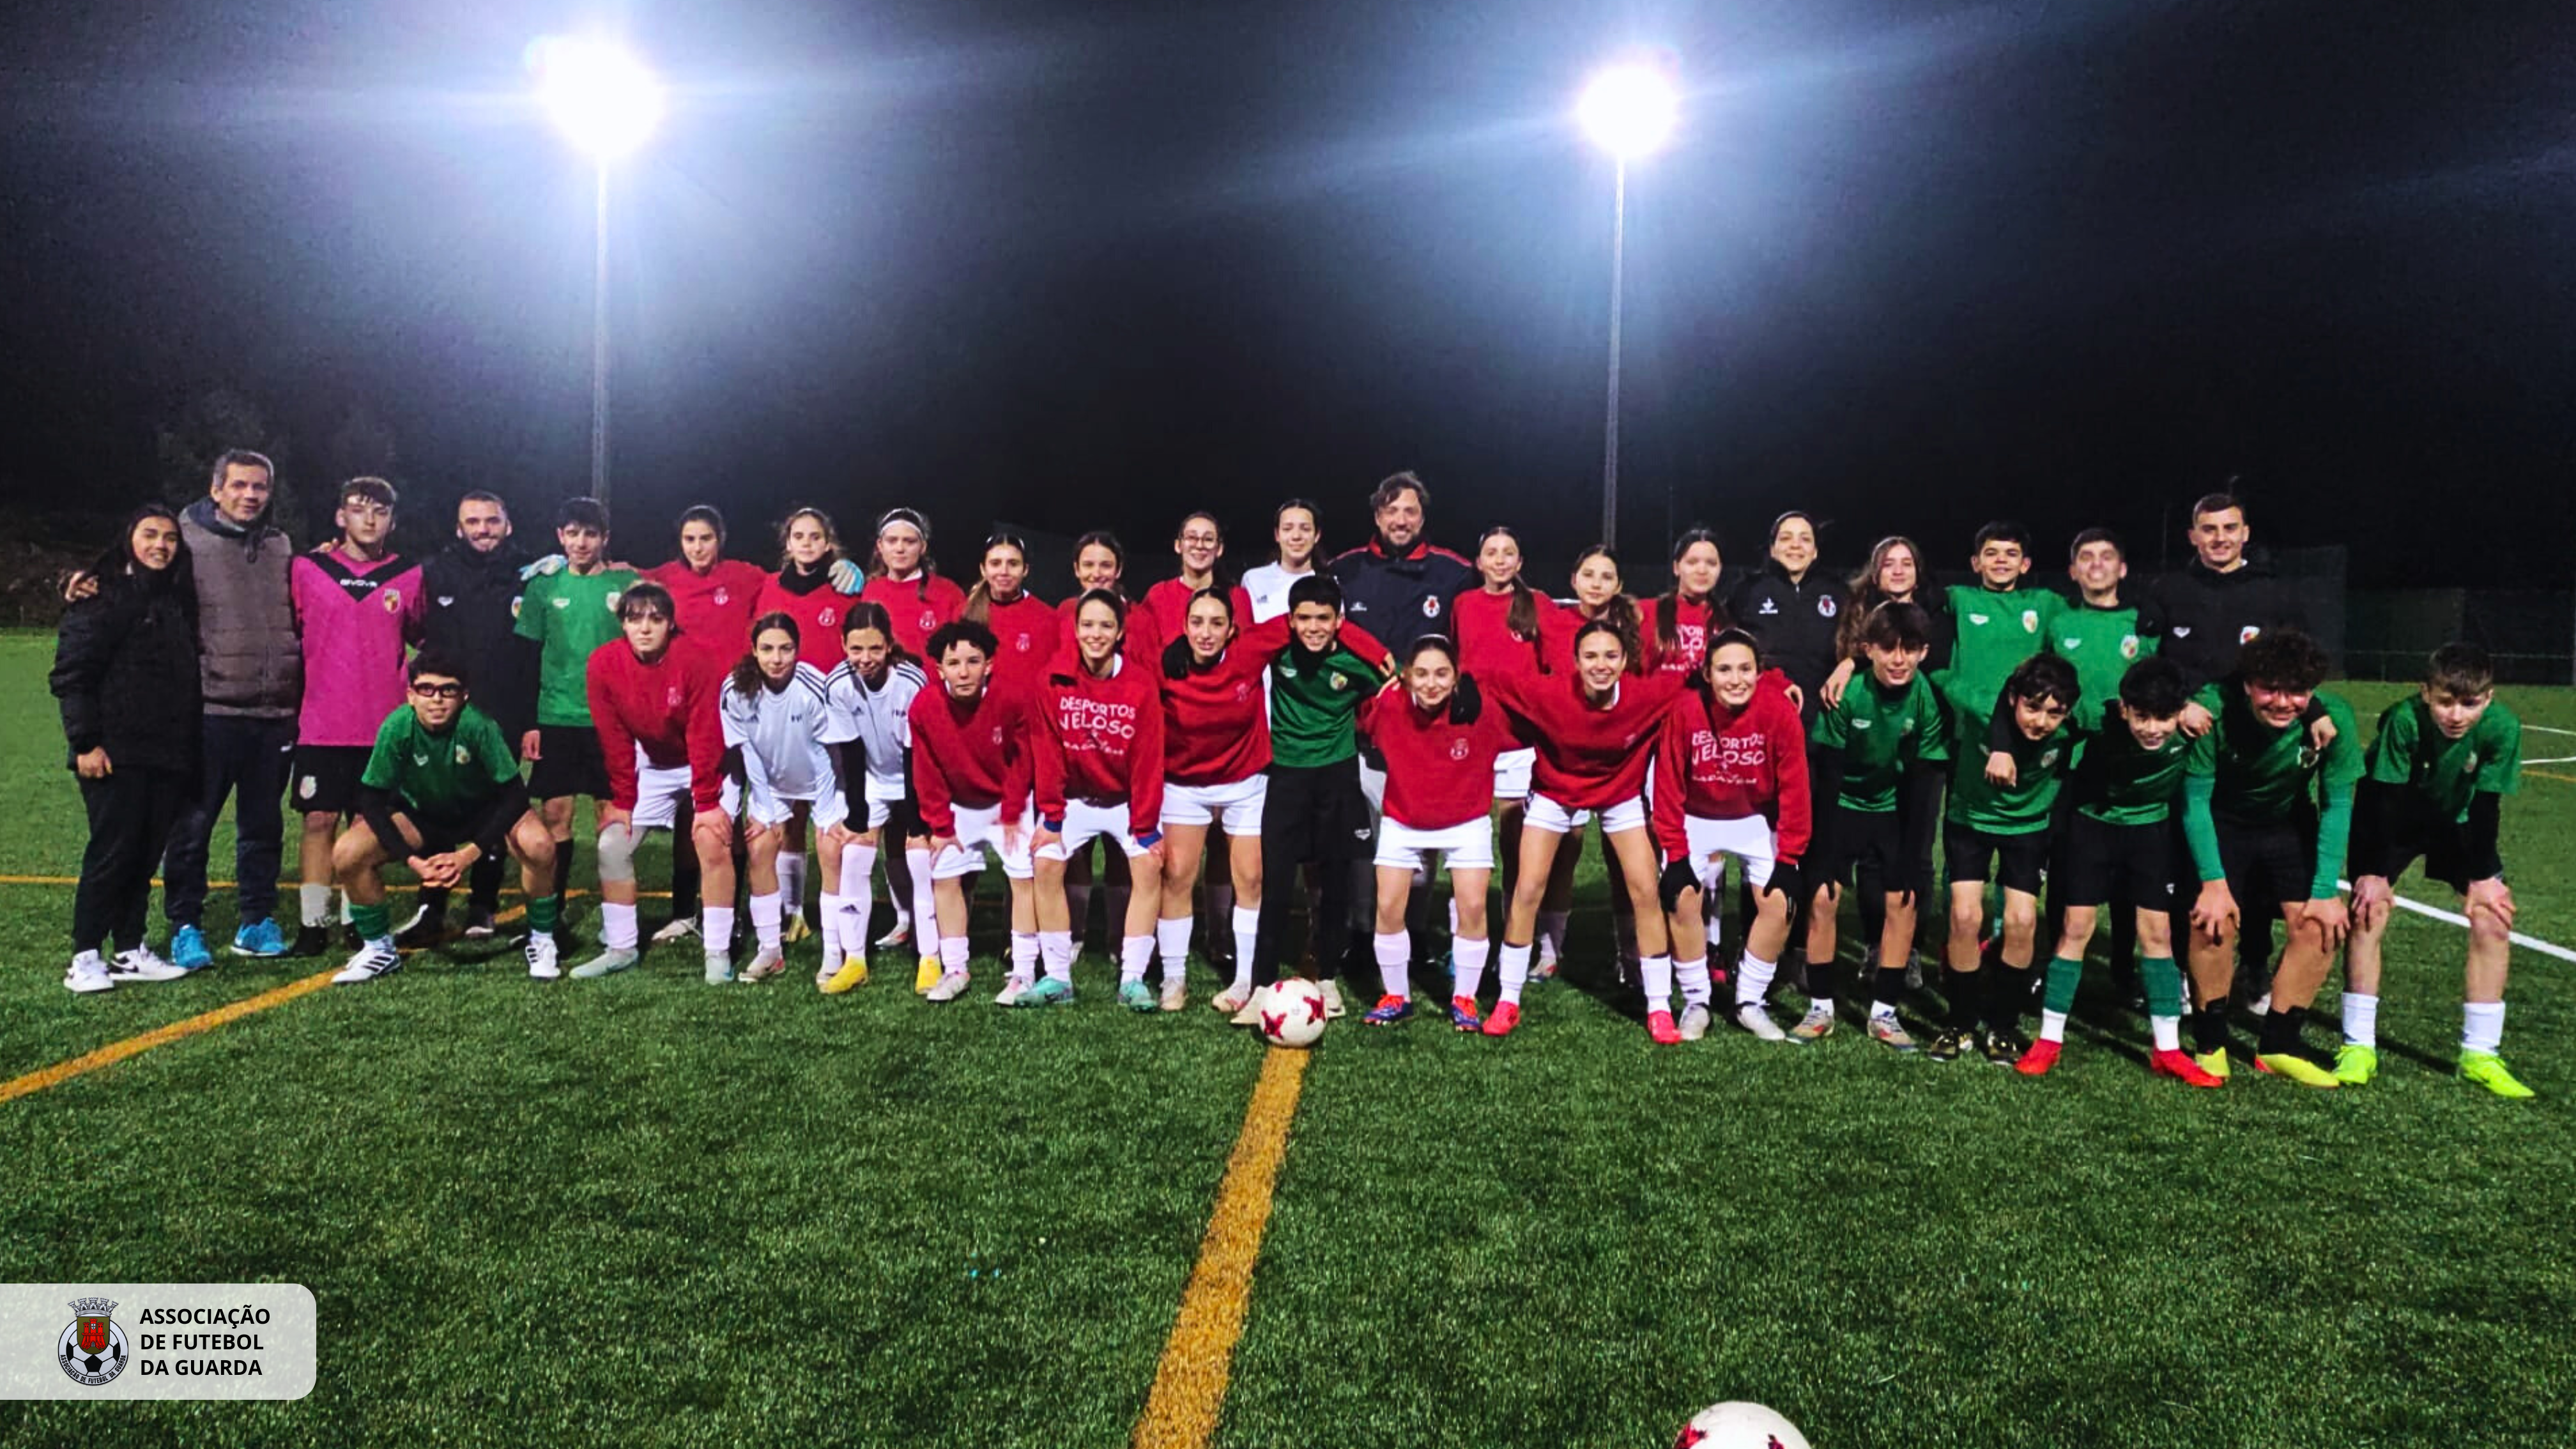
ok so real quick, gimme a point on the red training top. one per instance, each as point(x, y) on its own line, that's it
point(1729, 766)
point(1487, 647)
point(1216, 723)
point(1026, 635)
point(980, 753)
point(668, 706)
point(916, 606)
point(1109, 733)
point(1169, 602)
point(1142, 641)
point(816, 607)
point(1438, 773)
point(1589, 755)
point(715, 608)
point(1692, 624)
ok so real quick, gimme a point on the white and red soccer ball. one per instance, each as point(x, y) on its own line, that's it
point(1292, 1013)
point(1738, 1425)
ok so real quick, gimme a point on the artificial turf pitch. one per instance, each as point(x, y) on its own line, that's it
point(648, 1211)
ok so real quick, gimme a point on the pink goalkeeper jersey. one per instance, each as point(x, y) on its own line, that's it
point(355, 618)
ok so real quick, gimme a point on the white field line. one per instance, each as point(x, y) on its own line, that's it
point(2545, 948)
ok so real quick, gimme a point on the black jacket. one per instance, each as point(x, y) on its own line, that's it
point(473, 606)
point(125, 669)
point(1400, 598)
point(2209, 616)
point(1795, 623)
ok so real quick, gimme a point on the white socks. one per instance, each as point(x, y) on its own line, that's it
point(2482, 1026)
point(1135, 954)
point(2168, 1030)
point(1247, 926)
point(764, 922)
point(1468, 955)
point(835, 930)
point(715, 927)
point(952, 955)
point(1551, 931)
point(1395, 962)
point(1657, 973)
point(1753, 977)
point(925, 904)
point(2052, 1026)
point(1693, 978)
point(1024, 955)
point(316, 904)
point(2360, 1020)
point(1055, 948)
point(1515, 973)
point(617, 926)
point(791, 880)
point(1172, 943)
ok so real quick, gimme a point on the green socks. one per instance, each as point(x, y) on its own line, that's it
point(2164, 985)
point(374, 922)
point(542, 909)
point(2063, 977)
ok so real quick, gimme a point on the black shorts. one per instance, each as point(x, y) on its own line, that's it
point(2125, 865)
point(437, 836)
point(1317, 814)
point(568, 763)
point(2019, 862)
point(326, 777)
point(1859, 836)
point(2415, 834)
point(2268, 864)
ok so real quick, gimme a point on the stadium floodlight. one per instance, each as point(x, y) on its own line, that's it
point(606, 103)
point(1629, 110)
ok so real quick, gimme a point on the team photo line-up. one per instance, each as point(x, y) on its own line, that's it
point(2165, 753)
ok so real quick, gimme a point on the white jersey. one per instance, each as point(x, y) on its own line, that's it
point(1268, 585)
point(879, 719)
point(781, 734)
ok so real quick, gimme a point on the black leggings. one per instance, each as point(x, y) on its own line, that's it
point(130, 816)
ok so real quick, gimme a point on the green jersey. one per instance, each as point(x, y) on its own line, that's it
point(1315, 705)
point(1996, 629)
point(2410, 750)
point(2101, 644)
point(570, 615)
point(2022, 807)
point(2262, 776)
point(1882, 734)
point(2121, 782)
point(440, 775)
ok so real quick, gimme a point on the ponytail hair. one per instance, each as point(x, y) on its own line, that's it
point(1522, 616)
point(1621, 612)
point(979, 599)
point(748, 681)
point(1668, 605)
point(876, 568)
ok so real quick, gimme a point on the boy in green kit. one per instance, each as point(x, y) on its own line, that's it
point(1999, 820)
point(569, 612)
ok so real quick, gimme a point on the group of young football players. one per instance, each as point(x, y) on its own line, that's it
point(2166, 754)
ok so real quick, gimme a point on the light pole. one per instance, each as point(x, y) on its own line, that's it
point(1628, 110)
point(606, 103)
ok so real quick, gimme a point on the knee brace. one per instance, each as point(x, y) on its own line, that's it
point(617, 854)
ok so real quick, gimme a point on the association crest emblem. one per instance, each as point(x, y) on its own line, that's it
point(2128, 646)
point(464, 756)
point(827, 618)
point(2030, 621)
point(92, 1348)
point(1977, 618)
point(2048, 759)
point(2249, 633)
point(613, 596)
point(671, 697)
point(1457, 749)
point(724, 596)
point(1431, 607)
point(393, 600)
point(1826, 606)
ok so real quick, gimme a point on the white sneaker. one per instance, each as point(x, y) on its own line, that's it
point(1694, 1022)
point(1333, 999)
point(952, 984)
point(680, 929)
point(1250, 1015)
point(540, 951)
point(1012, 986)
point(767, 962)
point(142, 964)
point(374, 959)
point(1546, 957)
point(719, 969)
point(901, 933)
point(1176, 993)
point(609, 961)
point(1750, 1016)
point(1231, 1001)
point(88, 974)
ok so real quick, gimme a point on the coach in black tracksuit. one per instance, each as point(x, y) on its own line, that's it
point(1792, 608)
point(2223, 598)
point(473, 590)
point(1397, 586)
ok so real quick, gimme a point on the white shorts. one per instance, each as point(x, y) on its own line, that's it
point(662, 797)
point(979, 833)
point(1373, 785)
point(1512, 774)
point(1545, 814)
point(732, 797)
point(882, 796)
point(1749, 840)
point(1237, 806)
point(1461, 847)
point(1085, 823)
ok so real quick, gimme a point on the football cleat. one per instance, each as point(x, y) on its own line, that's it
point(1250, 1015)
point(141, 964)
point(1176, 992)
point(1388, 1011)
point(478, 923)
point(1817, 1024)
point(719, 969)
point(901, 934)
point(88, 974)
point(259, 938)
point(948, 987)
point(540, 952)
point(795, 928)
point(1694, 1021)
point(2041, 1056)
point(678, 928)
point(1501, 1020)
point(2295, 1067)
point(423, 931)
point(2213, 1063)
point(1333, 1006)
point(1948, 1044)
point(1888, 1032)
point(1012, 986)
point(376, 958)
point(1135, 996)
point(2488, 1071)
point(607, 963)
point(1231, 1001)
point(2003, 1045)
point(2356, 1065)
point(1660, 1026)
point(1048, 991)
point(309, 941)
point(927, 974)
point(853, 972)
point(768, 961)
point(1750, 1016)
point(1463, 1014)
point(2182, 1069)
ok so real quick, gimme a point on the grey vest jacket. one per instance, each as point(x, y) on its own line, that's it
point(250, 657)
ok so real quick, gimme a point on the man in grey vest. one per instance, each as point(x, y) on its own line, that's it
point(252, 669)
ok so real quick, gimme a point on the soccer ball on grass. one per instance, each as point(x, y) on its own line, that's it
point(1737, 1425)
point(1292, 1013)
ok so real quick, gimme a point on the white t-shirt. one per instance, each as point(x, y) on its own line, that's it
point(781, 733)
point(1268, 585)
point(879, 719)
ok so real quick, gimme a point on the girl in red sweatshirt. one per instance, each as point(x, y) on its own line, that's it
point(1594, 729)
point(1730, 779)
point(987, 787)
point(1104, 719)
point(1025, 628)
point(1677, 623)
point(1440, 744)
point(904, 578)
point(1505, 627)
point(1100, 562)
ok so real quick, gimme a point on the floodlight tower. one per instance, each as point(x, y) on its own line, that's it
point(606, 103)
point(1629, 110)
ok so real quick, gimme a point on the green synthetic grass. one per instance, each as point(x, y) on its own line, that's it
point(646, 1211)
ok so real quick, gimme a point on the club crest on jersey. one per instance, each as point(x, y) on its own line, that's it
point(1023, 643)
point(562, 602)
point(464, 756)
point(1431, 607)
point(1457, 749)
point(671, 697)
point(1242, 692)
point(1826, 606)
point(997, 737)
point(2128, 646)
point(2030, 621)
point(2048, 759)
point(91, 1349)
point(1977, 619)
point(2308, 757)
point(422, 760)
point(1860, 724)
point(613, 596)
point(514, 608)
point(723, 597)
point(929, 621)
point(1341, 681)
point(2249, 634)
point(393, 600)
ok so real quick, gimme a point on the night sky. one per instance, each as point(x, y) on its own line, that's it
point(1073, 265)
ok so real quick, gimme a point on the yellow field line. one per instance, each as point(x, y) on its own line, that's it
point(1198, 1359)
point(114, 1052)
point(2547, 775)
